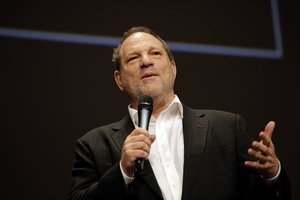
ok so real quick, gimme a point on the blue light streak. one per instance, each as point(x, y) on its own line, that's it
point(277, 53)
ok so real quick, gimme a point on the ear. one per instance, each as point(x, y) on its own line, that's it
point(174, 68)
point(117, 76)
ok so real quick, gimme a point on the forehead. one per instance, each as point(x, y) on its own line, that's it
point(138, 42)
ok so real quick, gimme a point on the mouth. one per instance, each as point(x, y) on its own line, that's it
point(148, 75)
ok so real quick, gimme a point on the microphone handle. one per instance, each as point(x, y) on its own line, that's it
point(144, 118)
point(139, 164)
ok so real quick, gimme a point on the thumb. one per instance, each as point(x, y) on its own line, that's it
point(152, 138)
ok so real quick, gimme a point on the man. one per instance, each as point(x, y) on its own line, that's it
point(189, 154)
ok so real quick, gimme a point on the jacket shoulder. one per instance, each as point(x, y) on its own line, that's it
point(211, 113)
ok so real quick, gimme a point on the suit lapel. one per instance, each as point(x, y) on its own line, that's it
point(195, 128)
point(148, 175)
point(120, 131)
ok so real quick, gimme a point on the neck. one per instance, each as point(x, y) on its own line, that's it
point(161, 103)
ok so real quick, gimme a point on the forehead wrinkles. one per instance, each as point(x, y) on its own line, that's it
point(138, 42)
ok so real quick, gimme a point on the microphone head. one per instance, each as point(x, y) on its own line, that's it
point(145, 102)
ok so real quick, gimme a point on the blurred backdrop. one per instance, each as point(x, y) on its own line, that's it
point(57, 77)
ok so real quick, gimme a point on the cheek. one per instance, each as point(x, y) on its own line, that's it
point(169, 74)
point(129, 79)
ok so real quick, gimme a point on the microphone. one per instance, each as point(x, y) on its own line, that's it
point(145, 108)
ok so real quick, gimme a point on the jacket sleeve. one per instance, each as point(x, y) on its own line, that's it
point(91, 181)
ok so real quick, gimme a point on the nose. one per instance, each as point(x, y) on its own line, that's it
point(145, 61)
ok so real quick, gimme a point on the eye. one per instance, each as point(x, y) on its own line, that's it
point(156, 53)
point(131, 59)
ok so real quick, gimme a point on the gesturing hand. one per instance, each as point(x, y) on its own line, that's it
point(264, 152)
point(137, 145)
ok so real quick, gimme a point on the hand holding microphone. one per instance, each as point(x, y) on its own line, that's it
point(137, 145)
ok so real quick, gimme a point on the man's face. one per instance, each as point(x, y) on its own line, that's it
point(145, 67)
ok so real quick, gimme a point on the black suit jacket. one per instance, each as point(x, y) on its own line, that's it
point(215, 148)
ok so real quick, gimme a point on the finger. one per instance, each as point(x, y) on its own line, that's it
point(152, 138)
point(270, 128)
point(253, 164)
point(258, 146)
point(257, 155)
point(133, 155)
point(146, 134)
point(257, 165)
point(139, 131)
point(266, 140)
point(137, 150)
point(141, 154)
point(133, 138)
point(139, 146)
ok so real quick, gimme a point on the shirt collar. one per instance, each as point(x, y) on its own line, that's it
point(175, 104)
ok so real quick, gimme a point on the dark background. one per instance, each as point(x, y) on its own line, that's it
point(54, 92)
